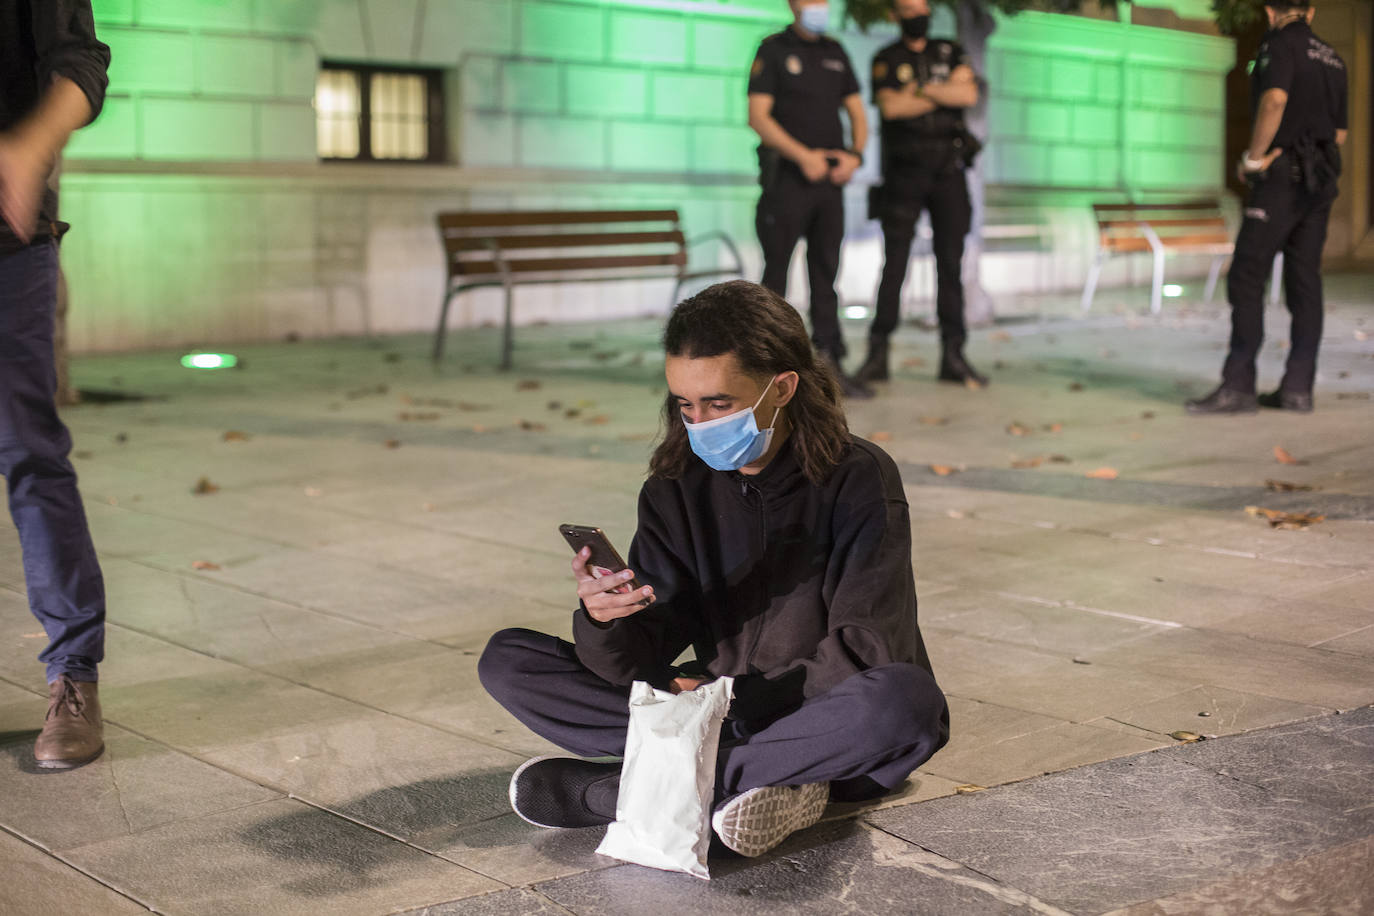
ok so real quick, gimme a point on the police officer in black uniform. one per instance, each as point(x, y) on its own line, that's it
point(922, 87)
point(798, 83)
point(1298, 88)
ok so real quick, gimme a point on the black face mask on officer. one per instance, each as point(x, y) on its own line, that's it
point(915, 27)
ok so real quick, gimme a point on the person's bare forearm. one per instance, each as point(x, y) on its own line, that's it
point(896, 106)
point(62, 109)
point(1267, 120)
point(772, 135)
point(858, 123)
point(962, 94)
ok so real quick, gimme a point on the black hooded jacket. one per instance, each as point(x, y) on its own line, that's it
point(787, 586)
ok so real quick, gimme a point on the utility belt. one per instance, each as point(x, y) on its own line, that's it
point(942, 155)
point(1313, 164)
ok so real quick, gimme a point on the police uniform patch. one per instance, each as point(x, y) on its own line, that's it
point(879, 69)
point(794, 65)
point(757, 68)
point(905, 73)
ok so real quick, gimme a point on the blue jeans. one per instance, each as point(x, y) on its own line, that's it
point(66, 592)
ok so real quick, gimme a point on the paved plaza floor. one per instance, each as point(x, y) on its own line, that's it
point(305, 555)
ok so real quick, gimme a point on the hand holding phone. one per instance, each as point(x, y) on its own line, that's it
point(605, 585)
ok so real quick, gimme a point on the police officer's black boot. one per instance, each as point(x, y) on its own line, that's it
point(850, 387)
point(1223, 401)
point(874, 368)
point(954, 368)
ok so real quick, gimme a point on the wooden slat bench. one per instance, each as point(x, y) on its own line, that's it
point(1177, 227)
point(509, 248)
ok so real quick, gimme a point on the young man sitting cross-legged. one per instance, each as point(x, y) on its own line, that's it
point(778, 547)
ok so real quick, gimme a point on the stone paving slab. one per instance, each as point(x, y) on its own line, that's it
point(32, 877)
point(1154, 825)
point(267, 859)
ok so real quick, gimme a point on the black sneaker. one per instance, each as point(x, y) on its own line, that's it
point(1300, 402)
point(565, 792)
point(1222, 401)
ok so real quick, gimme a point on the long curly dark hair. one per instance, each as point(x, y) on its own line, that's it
point(768, 338)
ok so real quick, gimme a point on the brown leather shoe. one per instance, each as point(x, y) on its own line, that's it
point(73, 733)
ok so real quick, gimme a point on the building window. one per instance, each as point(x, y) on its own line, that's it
point(375, 114)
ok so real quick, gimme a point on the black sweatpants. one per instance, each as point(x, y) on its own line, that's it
point(1280, 215)
point(907, 192)
point(790, 209)
point(864, 736)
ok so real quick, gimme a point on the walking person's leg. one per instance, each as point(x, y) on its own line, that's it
point(1302, 283)
point(1268, 220)
point(62, 575)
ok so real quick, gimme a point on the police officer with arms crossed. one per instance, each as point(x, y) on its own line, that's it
point(799, 81)
point(922, 87)
point(1298, 88)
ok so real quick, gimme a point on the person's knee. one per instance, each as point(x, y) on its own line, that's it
point(901, 706)
point(501, 661)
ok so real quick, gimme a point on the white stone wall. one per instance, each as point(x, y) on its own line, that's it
point(201, 214)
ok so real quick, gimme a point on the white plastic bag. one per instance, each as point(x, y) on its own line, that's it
point(663, 813)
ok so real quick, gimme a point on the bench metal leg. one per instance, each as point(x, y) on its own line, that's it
point(443, 325)
point(1157, 284)
point(1212, 276)
point(508, 332)
point(1090, 288)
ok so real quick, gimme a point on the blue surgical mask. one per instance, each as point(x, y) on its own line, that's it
point(815, 17)
point(730, 442)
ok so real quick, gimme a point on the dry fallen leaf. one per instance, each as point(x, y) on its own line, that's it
point(418, 416)
point(600, 419)
point(1103, 474)
point(1135, 437)
point(881, 435)
point(1147, 415)
point(236, 435)
point(932, 421)
point(1075, 386)
point(968, 788)
point(956, 513)
point(313, 491)
point(1054, 427)
point(205, 564)
point(1282, 457)
point(204, 486)
point(1353, 396)
point(478, 428)
point(1186, 737)
point(1017, 429)
point(392, 443)
point(913, 362)
point(365, 392)
point(1283, 486)
point(1290, 521)
point(1060, 459)
point(942, 470)
point(1028, 462)
point(532, 427)
point(527, 384)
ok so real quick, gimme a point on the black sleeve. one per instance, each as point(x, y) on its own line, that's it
point(1340, 115)
point(884, 74)
point(851, 82)
point(958, 56)
point(1276, 66)
point(764, 74)
point(65, 45)
point(644, 645)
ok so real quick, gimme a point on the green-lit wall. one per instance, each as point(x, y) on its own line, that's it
point(202, 215)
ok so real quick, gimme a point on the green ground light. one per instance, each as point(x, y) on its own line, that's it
point(209, 360)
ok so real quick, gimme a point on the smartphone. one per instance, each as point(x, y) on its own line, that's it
point(603, 554)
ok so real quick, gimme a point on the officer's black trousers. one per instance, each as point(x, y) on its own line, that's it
point(790, 209)
point(1280, 215)
point(864, 736)
point(907, 193)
